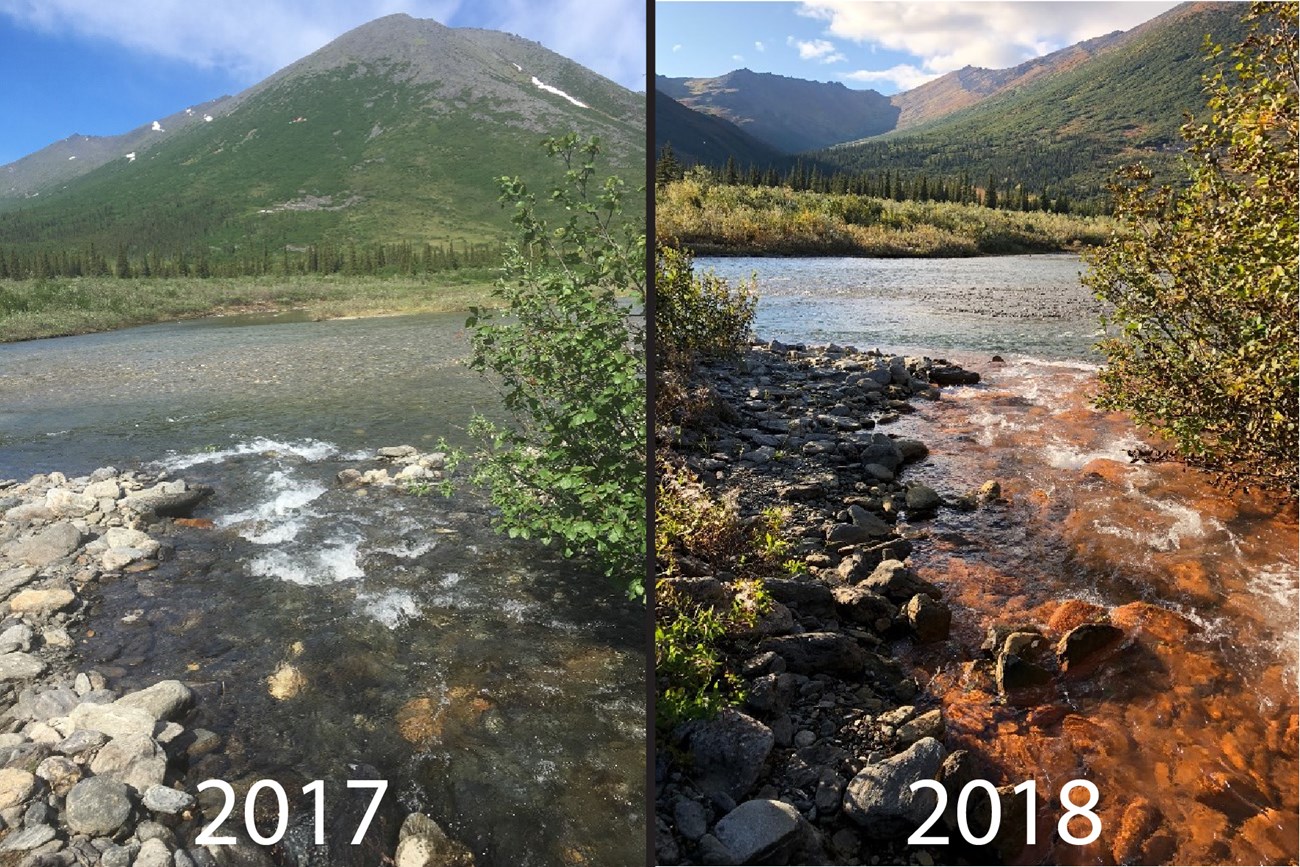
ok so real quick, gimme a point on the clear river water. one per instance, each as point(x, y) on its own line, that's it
point(497, 689)
point(1190, 731)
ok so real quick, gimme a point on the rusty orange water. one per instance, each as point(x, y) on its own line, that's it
point(1190, 730)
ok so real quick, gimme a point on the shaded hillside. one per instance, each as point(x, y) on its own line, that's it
point(707, 139)
point(789, 114)
point(396, 131)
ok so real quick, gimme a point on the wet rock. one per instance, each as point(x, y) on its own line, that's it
point(164, 799)
point(729, 752)
point(818, 653)
point(98, 807)
point(883, 450)
point(48, 546)
point(134, 758)
point(1140, 821)
point(951, 374)
point(431, 847)
point(922, 499)
point(20, 666)
point(712, 851)
point(165, 700)
point(895, 581)
point(929, 619)
point(1024, 662)
point(760, 831)
point(995, 637)
point(42, 602)
point(870, 522)
point(666, 848)
point(16, 787)
point(285, 682)
point(1086, 643)
point(879, 799)
point(912, 450)
point(1074, 612)
point(166, 502)
point(1152, 620)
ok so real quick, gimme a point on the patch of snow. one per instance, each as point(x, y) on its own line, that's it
point(541, 85)
point(517, 66)
point(207, 118)
point(72, 157)
point(189, 112)
point(130, 157)
point(157, 127)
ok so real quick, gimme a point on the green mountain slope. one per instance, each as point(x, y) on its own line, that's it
point(396, 131)
point(708, 139)
point(789, 114)
point(1069, 131)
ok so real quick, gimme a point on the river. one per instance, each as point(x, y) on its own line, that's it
point(498, 690)
point(1190, 731)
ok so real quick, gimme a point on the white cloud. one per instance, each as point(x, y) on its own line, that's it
point(904, 76)
point(249, 39)
point(739, 58)
point(950, 35)
point(759, 46)
point(815, 49)
point(677, 48)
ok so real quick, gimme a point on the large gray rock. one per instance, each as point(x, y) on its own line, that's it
point(113, 719)
point(153, 853)
point(163, 500)
point(164, 799)
point(19, 666)
point(12, 579)
point(881, 449)
point(860, 605)
point(880, 800)
point(133, 758)
point(728, 753)
point(48, 546)
point(166, 700)
point(760, 831)
point(895, 581)
point(69, 504)
point(819, 653)
point(28, 839)
point(97, 807)
point(922, 499)
point(929, 618)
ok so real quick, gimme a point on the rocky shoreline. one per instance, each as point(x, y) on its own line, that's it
point(90, 773)
point(815, 766)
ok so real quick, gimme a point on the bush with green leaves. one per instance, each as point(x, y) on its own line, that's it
point(568, 349)
point(1202, 343)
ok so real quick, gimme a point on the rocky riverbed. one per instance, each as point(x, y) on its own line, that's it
point(94, 774)
point(815, 766)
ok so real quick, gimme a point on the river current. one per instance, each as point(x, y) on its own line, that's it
point(1190, 730)
point(499, 690)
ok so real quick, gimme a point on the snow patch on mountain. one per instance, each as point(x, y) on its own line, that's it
point(541, 85)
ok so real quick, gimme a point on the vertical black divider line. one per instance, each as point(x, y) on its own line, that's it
point(650, 487)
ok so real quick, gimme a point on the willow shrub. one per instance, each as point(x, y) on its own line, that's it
point(1203, 281)
point(569, 470)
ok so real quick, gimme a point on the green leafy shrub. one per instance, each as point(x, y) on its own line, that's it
point(569, 353)
point(1203, 282)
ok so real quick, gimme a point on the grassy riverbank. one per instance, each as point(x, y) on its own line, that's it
point(764, 221)
point(30, 309)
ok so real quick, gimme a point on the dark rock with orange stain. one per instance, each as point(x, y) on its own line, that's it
point(1104, 469)
point(1084, 646)
point(195, 523)
point(1192, 579)
point(1072, 613)
point(1271, 835)
point(1161, 623)
point(1140, 821)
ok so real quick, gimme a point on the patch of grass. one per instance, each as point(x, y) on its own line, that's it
point(740, 220)
point(31, 309)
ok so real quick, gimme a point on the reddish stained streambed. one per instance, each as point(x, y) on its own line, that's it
point(1189, 728)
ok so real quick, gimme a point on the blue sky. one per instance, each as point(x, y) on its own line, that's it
point(102, 68)
point(885, 46)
